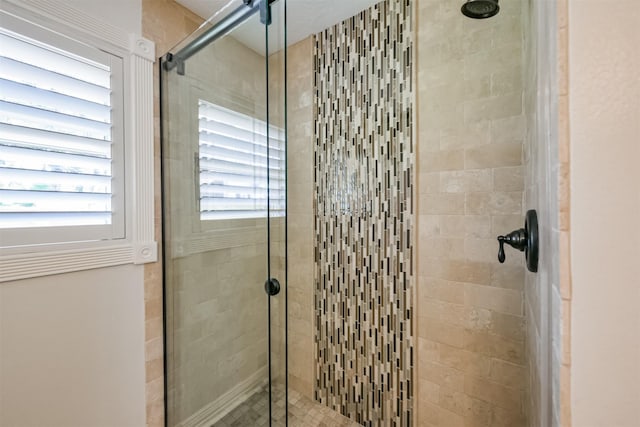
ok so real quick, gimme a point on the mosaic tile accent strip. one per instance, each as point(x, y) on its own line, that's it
point(364, 218)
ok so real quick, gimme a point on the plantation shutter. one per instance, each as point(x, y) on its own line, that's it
point(234, 163)
point(56, 135)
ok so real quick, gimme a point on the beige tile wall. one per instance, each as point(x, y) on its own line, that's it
point(548, 293)
point(564, 223)
point(165, 23)
point(218, 329)
point(301, 217)
point(542, 296)
point(277, 105)
point(471, 357)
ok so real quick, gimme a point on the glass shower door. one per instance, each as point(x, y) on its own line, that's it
point(275, 48)
point(224, 223)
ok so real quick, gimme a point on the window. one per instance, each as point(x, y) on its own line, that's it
point(76, 142)
point(61, 142)
point(239, 173)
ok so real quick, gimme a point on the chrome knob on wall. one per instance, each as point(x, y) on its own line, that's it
point(525, 240)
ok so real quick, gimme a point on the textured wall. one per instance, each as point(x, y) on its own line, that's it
point(364, 229)
point(604, 94)
point(471, 355)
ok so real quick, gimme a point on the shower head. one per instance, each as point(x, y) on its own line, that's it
point(480, 9)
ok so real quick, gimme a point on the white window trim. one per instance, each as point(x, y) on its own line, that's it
point(139, 246)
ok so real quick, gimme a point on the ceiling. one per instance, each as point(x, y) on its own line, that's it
point(304, 17)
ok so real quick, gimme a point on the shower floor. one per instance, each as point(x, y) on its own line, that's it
point(303, 412)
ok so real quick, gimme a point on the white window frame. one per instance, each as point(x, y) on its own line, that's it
point(137, 245)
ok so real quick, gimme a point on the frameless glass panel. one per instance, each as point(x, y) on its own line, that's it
point(275, 46)
point(224, 202)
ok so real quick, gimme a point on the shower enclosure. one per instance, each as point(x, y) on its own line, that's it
point(224, 207)
point(405, 129)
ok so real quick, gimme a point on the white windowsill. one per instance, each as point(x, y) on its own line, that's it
point(44, 263)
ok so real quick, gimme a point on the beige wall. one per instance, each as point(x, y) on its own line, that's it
point(471, 358)
point(604, 94)
point(548, 293)
point(300, 199)
point(542, 291)
point(217, 322)
point(165, 23)
point(277, 238)
point(564, 220)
